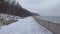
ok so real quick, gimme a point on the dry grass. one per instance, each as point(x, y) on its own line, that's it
point(6, 19)
point(7, 22)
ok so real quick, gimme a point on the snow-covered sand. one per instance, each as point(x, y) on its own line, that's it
point(24, 26)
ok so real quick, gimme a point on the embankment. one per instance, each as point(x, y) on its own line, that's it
point(51, 26)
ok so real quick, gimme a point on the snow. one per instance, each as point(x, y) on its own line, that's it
point(24, 26)
point(8, 17)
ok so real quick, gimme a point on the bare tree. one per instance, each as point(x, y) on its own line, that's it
point(14, 8)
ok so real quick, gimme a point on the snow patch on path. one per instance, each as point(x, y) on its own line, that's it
point(24, 26)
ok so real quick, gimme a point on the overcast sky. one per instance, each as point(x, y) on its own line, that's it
point(43, 7)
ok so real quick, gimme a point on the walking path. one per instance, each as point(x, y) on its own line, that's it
point(24, 26)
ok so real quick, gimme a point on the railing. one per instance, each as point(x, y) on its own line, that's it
point(51, 26)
